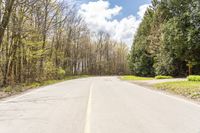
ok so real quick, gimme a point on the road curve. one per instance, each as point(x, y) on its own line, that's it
point(98, 105)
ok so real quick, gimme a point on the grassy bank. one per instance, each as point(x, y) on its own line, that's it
point(163, 77)
point(189, 89)
point(12, 90)
point(130, 77)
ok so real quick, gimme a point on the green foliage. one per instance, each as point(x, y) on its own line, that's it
point(51, 47)
point(135, 78)
point(50, 71)
point(11, 90)
point(142, 65)
point(185, 88)
point(167, 41)
point(49, 82)
point(193, 78)
point(8, 89)
point(32, 85)
point(60, 73)
point(163, 77)
point(140, 61)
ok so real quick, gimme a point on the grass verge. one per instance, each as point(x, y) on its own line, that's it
point(12, 90)
point(193, 78)
point(135, 78)
point(185, 88)
point(163, 77)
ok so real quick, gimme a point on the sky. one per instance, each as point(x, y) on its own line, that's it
point(119, 18)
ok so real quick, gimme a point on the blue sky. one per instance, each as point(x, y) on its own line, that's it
point(119, 18)
point(130, 7)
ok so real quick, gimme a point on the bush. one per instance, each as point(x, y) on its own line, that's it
point(193, 78)
point(60, 73)
point(13, 89)
point(163, 77)
point(50, 71)
point(8, 89)
point(53, 73)
point(32, 85)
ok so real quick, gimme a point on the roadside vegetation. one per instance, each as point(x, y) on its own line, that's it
point(131, 77)
point(167, 41)
point(163, 77)
point(189, 89)
point(194, 78)
point(43, 40)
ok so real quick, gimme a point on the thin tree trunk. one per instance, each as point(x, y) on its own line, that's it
point(6, 17)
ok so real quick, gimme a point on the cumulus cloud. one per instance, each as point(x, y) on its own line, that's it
point(100, 17)
point(142, 10)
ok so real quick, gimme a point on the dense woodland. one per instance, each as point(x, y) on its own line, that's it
point(168, 39)
point(48, 39)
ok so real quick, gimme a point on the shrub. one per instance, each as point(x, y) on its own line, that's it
point(32, 85)
point(193, 78)
point(13, 89)
point(50, 71)
point(8, 89)
point(163, 77)
point(60, 73)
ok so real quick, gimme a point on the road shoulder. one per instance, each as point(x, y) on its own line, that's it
point(150, 84)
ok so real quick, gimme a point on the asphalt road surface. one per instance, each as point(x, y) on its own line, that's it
point(98, 105)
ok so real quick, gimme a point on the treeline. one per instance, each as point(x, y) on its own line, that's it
point(168, 39)
point(48, 39)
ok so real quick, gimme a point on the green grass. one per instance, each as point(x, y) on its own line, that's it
point(193, 78)
point(163, 77)
point(186, 88)
point(135, 78)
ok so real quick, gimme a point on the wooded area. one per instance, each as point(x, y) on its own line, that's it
point(168, 40)
point(48, 39)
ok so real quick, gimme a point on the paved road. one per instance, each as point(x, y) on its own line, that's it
point(98, 105)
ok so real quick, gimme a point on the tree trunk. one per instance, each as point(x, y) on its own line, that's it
point(6, 17)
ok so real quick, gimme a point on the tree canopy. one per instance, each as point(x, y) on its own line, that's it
point(168, 39)
point(48, 39)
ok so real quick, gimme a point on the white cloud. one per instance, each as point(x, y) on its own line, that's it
point(100, 16)
point(142, 10)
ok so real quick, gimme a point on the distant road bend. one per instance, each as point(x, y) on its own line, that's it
point(98, 105)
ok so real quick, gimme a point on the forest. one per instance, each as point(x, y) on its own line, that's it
point(48, 39)
point(168, 40)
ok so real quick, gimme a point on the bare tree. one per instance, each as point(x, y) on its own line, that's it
point(44, 39)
